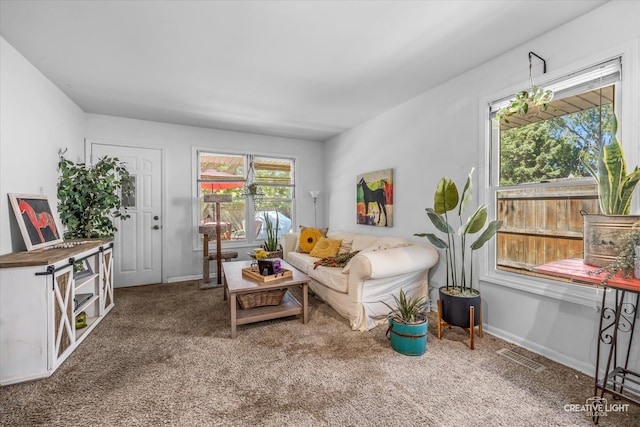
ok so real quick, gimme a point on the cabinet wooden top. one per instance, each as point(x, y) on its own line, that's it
point(44, 256)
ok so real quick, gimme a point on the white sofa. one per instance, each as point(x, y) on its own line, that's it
point(383, 266)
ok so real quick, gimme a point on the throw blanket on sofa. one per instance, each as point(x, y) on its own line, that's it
point(339, 260)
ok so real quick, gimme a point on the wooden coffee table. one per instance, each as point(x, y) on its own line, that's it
point(236, 283)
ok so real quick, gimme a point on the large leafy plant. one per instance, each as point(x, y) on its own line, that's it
point(89, 197)
point(447, 199)
point(615, 186)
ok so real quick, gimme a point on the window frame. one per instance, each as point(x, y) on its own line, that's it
point(628, 131)
point(250, 207)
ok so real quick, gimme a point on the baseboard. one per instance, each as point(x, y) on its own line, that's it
point(563, 359)
point(187, 278)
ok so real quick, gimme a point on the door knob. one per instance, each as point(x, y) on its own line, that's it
point(156, 227)
point(156, 217)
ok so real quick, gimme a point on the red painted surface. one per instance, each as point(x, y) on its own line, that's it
point(576, 270)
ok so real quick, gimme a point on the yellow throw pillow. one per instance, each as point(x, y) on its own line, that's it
point(325, 248)
point(308, 238)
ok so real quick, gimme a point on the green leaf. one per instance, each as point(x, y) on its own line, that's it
point(628, 185)
point(475, 222)
point(467, 194)
point(486, 235)
point(438, 221)
point(445, 197)
point(613, 163)
point(435, 240)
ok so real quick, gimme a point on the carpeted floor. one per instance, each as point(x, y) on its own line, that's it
point(163, 356)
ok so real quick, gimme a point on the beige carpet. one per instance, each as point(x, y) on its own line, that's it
point(163, 356)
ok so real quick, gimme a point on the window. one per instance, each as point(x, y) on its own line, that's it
point(242, 220)
point(539, 180)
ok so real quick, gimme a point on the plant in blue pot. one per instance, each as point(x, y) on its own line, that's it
point(408, 324)
point(459, 303)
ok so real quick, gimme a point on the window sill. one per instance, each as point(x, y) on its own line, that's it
point(585, 295)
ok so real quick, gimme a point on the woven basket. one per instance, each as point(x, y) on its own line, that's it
point(260, 299)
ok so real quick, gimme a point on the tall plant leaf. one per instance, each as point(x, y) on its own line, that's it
point(438, 221)
point(628, 185)
point(475, 222)
point(446, 196)
point(486, 235)
point(435, 240)
point(467, 193)
point(613, 160)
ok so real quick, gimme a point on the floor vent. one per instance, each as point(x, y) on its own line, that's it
point(518, 358)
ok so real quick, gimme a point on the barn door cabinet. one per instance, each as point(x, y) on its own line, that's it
point(42, 293)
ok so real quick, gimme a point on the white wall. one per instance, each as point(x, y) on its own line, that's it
point(176, 142)
point(439, 133)
point(37, 120)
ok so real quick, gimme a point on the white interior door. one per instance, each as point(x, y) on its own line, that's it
point(137, 248)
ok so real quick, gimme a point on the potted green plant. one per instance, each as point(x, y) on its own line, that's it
point(271, 244)
point(604, 233)
point(628, 259)
point(408, 324)
point(458, 295)
point(526, 102)
point(90, 197)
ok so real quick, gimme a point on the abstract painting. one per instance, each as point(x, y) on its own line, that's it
point(374, 198)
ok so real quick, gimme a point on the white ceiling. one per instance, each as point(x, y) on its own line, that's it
point(303, 69)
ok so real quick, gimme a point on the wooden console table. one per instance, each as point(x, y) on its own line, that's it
point(614, 321)
point(42, 293)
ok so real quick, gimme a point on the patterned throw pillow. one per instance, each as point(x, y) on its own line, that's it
point(325, 248)
point(308, 238)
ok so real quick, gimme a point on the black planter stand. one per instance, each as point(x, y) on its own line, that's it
point(453, 310)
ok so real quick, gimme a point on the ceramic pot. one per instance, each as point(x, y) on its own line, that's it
point(604, 237)
point(409, 339)
point(455, 308)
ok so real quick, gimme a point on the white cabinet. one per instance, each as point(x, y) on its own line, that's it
point(41, 294)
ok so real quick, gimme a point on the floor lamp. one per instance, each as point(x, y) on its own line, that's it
point(314, 194)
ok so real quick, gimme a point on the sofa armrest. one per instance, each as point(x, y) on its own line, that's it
point(398, 261)
point(288, 242)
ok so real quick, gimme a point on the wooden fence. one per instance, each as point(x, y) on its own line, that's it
point(542, 224)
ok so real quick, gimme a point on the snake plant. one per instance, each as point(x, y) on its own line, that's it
point(615, 186)
point(271, 243)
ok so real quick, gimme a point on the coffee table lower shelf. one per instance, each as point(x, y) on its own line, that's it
point(236, 283)
point(288, 307)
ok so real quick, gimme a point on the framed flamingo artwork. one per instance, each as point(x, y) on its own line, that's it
point(374, 198)
point(35, 219)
